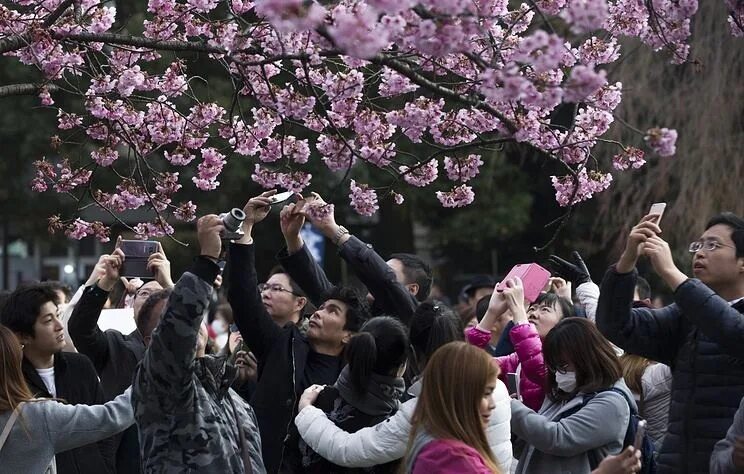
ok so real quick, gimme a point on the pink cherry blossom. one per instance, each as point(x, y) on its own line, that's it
point(363, 199)
point(422, 174)
point(459, 196)
point(662, 140)
point(463, 169)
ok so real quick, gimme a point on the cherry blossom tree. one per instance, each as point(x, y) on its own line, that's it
point(352, 83)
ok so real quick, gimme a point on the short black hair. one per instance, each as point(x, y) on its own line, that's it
point(22, 307)
point(481, 307)
point(147, 313)
point(58, 286)
point(296, 289)
point(643, 288)
point(416, 271)
point(736, 224)
point(358, 309)
point(433, 325)
point(555, 301)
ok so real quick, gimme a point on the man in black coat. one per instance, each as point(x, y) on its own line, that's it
point(288, 360)
point(701, 335)
point(31, 312)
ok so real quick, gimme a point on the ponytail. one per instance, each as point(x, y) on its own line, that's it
point(361, 354)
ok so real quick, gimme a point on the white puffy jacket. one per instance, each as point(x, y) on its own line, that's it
point(387, 441)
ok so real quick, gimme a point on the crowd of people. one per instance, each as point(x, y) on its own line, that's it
point(292, 373)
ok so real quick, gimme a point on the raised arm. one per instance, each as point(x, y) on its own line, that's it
point(169, 360)
point(72, 426)
point(256, 326)
point(297, 260)
point(390, 295)
point(83, 323)
point(496, 313)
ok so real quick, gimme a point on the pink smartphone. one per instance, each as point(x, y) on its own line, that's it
point(533, 276)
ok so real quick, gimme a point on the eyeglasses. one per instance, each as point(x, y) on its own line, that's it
point(275, 287)
point(563, 368)
point(707, 245)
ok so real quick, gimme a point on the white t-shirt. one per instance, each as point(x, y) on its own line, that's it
point(47, 375)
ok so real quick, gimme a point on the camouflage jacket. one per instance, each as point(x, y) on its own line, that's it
point(186, 422)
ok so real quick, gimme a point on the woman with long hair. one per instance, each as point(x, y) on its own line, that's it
point(530, 327)
point(37, 428)
point(433, 325)
point(369, 389)
point(651, 384)
point(448, 426)
point(587, 409)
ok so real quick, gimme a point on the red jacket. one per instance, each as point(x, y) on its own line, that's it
point(528, 354)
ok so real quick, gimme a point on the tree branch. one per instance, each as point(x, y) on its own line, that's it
point(25, 89)
point(17, 42)
point(140, 42)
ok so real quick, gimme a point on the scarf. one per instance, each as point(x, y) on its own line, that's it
point(381, 396)
point(215, 374)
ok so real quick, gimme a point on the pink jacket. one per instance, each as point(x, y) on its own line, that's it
point(528, 354)
point(448, 456)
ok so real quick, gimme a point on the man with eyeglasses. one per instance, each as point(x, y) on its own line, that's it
point(283, 299)
point(701, 335)
point(288, 360)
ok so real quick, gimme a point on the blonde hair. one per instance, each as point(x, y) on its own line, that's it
point(453, 385)
point(633, 368)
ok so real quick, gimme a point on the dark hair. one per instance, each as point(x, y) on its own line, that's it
point(380, 348)
point(4, 294)
point(58, 286)
point(481, 307)
point(117, 294)
point(643, 288)
point(22, 307)
point(433, 325)
point(358, 310)
point(578, 341)
point(147, 310)
point(416, 271)
point(555, 301)
point(736, 224)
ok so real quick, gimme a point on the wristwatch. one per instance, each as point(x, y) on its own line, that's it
point(340, 232)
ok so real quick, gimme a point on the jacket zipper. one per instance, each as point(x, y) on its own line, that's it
point(291, 417)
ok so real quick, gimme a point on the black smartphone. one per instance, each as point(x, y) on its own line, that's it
point(512, 383)
point(136, 253)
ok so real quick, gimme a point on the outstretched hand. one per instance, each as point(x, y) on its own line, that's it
point(257, 208)
point(639, 234)
point(208, 229)
point(626, 462)
point(309, 396)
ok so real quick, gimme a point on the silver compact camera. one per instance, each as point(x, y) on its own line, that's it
point(233, 222)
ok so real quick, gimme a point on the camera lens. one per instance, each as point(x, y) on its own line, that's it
point(233, 219)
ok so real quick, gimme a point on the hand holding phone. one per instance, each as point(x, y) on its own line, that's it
point(512, 383)
point(533, 276)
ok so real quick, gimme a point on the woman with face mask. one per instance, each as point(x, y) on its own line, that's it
point(586, 411)
point(527, 335)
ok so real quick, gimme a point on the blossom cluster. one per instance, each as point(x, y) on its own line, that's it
point(352, 83)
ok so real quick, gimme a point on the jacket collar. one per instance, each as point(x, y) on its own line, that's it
point(215, 374)
point(34, 380)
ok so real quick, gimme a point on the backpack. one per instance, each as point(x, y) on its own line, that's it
point(648, 460)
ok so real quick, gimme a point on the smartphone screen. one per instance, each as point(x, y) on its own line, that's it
point(512, 382)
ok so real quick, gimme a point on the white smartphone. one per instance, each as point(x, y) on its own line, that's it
point(658, 208)
point(281, 197)
point(640, 433)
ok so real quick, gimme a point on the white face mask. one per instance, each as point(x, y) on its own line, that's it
point(219, 326)
point(566, 381)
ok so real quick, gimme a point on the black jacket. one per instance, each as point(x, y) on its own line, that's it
point(76, 382)
point(701, 336)
point(391, 297)
point(115, 356)
point(281, 352)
